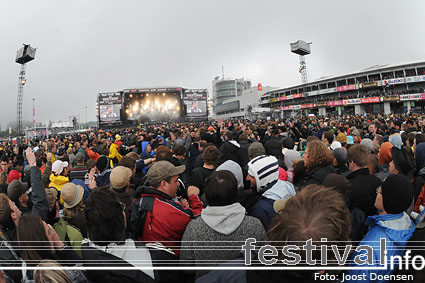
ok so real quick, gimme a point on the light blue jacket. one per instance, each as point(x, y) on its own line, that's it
point(397, 229)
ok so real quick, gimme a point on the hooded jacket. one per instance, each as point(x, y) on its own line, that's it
point(236, 170)
point(58, 181)
point(145, 155)
point(397, 229)
point(231, 150)
point(263, 209)
point(114, 154)
point(218, 226)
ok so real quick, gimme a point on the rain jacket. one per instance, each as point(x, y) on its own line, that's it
point(57, 182)
point(114, 154)
point(397, 229)
point(263, 209)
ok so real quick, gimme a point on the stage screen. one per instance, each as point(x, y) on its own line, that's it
point(196, 107)
point(196, 102)
point(110, 112)
point(109, 107)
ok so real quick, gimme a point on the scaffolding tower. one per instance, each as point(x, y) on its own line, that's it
point(23, 55)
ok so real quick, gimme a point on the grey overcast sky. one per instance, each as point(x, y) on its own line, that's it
point(86, 47)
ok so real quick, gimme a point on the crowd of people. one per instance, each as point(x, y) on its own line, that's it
point(168, 202)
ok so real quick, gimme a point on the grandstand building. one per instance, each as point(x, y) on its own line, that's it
point(244, 106)
point(378, 89)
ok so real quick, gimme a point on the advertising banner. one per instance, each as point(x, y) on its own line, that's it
point(298, 95)
point(322, 104)
point(392, 98)
point(352, 101)
point(345, 88)
point(307, 106)
point(394, 81)
point(406, 97)
point(368, 84)
point(375, 99)
point(335, 103)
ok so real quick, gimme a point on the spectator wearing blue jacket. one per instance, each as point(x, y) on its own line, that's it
point(263, 175)
point(394, 196)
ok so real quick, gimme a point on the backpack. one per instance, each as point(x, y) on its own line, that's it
point(69, 234)
point(139, 209)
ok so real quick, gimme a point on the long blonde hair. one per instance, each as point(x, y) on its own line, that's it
point(50, 275)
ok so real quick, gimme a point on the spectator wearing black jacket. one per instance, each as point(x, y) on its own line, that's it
point(363, 193)
point(210, 156)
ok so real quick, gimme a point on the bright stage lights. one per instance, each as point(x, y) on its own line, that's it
point(135, 108)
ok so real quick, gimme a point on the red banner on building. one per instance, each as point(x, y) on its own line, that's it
point(345, 88)
point(375, 99)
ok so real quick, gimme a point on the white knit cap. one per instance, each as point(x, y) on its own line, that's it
point(265, 169)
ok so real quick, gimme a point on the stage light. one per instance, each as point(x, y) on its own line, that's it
point(147, 94)
point(146, 106)
point(178, 108)
point(163, 94)
point(131, 95)
point(134, 108)
point(126, 111)
point(175, 101)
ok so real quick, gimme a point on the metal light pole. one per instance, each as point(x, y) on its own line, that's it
point(86, 117)
point(23, 55)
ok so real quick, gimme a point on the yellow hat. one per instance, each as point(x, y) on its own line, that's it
point(118, 137)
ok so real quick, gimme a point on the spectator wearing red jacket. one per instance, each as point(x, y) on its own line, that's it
point(169, 218)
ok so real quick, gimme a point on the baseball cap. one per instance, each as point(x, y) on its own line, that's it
point(350, 140)
point(58, 166)
point(14, 175)
point(119, 177)
point(279, 204)
point(355, 132)
point(335, 145)
point(71, 195)
point(162, 170)
point(15, 189)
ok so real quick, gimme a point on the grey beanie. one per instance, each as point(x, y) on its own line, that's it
point(256, 149)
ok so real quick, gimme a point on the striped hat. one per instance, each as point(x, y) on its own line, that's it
point(265, 170)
